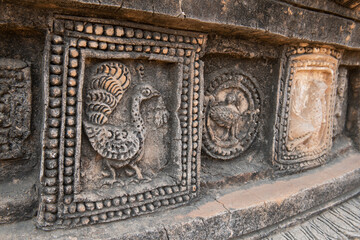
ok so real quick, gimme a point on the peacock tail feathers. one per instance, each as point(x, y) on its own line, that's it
point(107, 86)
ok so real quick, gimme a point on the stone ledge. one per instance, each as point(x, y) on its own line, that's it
point(18, 199)
point(299, 22)
point(222, 214)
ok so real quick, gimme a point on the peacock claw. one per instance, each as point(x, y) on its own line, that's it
point(119, 183)
point(105, 173)
point(134, 180)
point(130, 172)
point(144, 179)
point(108, 182)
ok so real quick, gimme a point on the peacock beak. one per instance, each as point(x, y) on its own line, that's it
point(156, 93)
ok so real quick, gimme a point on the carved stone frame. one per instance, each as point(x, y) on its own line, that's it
point(303, 59)
point(68, 43)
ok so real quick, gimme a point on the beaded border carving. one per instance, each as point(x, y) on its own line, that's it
point(67, 44)
point(282, 159)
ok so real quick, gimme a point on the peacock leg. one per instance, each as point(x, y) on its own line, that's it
point(111, 178)
point(232, 132)
point(140, 177)
point(137, 171)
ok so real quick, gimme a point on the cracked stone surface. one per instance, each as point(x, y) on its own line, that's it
point(215, 16)
point(237, 211)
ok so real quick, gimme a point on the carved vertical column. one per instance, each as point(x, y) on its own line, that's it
point(341, 101)
point(304, 126)
point(353, 121)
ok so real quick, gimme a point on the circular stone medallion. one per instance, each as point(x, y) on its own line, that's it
point(232, 112)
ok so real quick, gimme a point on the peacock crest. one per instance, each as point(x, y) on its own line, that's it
point(105, 90)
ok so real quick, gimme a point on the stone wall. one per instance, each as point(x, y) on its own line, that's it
point(114, 109)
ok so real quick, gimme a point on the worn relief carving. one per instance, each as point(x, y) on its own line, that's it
point(233, 106)
point(353, 113)
point(306, 108)
point(15, 107)
point(120, 146)
point(123, 125)
point(341, 101)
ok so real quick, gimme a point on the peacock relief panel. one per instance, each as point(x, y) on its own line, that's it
point(127, 124)
point(304, 127)
point(123, 120)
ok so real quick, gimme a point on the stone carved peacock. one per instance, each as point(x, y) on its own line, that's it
point(226, 114)
point(120, 146)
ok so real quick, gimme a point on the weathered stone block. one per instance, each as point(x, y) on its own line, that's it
point(304, 128)
point(15, 107)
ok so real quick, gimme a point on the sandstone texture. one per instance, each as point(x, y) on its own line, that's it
point(179, 119)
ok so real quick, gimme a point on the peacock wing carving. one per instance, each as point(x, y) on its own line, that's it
point(224, 116)
point(111, 142)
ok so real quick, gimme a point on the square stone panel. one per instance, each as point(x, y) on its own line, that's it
point(122, 132)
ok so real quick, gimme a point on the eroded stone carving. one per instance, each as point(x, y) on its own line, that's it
point(15, 107)
point(353, 114)
point(123, 128)
point(233, 106)
point(341, 101)
point(306, 108)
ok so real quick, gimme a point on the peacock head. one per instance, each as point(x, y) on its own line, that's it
point(231, 98)
point(146, 91)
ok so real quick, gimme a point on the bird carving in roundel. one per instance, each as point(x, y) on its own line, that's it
point(228, 114)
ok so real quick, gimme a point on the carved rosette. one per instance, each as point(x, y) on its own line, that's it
point(304, 124)
point(72, 41)
point(15, 107)
point(233, 106)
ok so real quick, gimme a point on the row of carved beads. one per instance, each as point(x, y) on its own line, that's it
point(54, 122)
point(70, 122)
point(305, 164)
point(124, 32)
point(124, 202)
point(117, 214)
point(184, 118)
point(101, 45)
point(279, 138)
point(321, 50)
point(195, 126)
